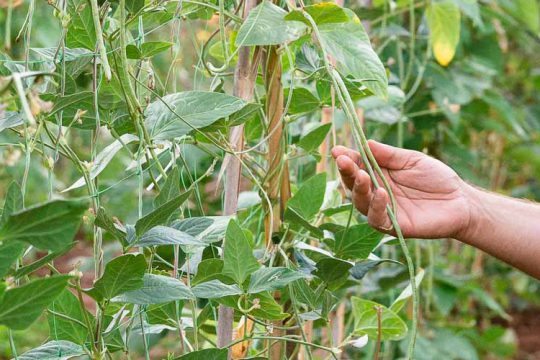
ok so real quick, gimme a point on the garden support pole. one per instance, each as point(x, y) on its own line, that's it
point(244, 82)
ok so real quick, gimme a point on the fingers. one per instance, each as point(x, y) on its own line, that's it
point(348, 162)
point(342, 150)
point(390, 157)
point(377, 214)
point(361, 193)
point(347, 169)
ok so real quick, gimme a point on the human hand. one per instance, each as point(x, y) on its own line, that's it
point(432, 200)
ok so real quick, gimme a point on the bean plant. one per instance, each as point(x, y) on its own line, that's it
point(183, 148)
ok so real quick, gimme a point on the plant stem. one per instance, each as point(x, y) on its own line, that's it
point(100, 43)
point(371, 165)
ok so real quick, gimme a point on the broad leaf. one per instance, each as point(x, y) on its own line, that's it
point(164, 235)
point(311, 141)
point(444, 21)
point(206, 354)
point(27, 269)
point(49, 226)
point(54, 350)
point(121, 274)
point(215, 289)
point(10, 120)
point(309, 198)
point(81, 31)
point(208, 229)
point(406, 294)
point(361, 268)
point(266, 25)
point(322, 13)
point(106, 222)
point(160, 215)
point(209, 269)
point(332, 270)
point(170, 189)
point(366, 320)
point(238, 258)
point(104, 158)
point(21, 306)
point(270, 279)
point(156, 289)
point(71, 324)
point(356, 242)
point(13, 201)
point(302, 101)
point(187, 111)
point(9, 253)
point(349, 45)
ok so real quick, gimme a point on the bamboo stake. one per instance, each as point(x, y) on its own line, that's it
point(244, 82)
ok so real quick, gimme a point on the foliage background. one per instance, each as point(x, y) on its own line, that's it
point(479, 114)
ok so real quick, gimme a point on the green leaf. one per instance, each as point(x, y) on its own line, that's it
point(104, 158)
point(10, 120)
point(122, 274)
point(49, 226)
point(133, 6)
point(266, 25)
point(215, 289)
point(27, 269)
point(54, 350)
point(164, 235)
point(71, 105)
point(349, 45)
point(209, 269)
point(207, 229)
point(361, 268)
point(160, 215)
point(333, 271)
point(356, 242)
point(302, 101)
point(9, 253)
point(21, 306)
point(238, 258)
point(322, 13)
point(406, 294)
point(12, 203)
point(187, 111)
point(527, 11)
point(206, 354)
point(133, 52)
point(80, 31)
point(444, 21)
point(366, 320)
point(313, 139)
point(269, 308)
point(309, 198)
point(170, 189)
point(151, 48)
point(147, 50)
point(106, 222)
point(156, 289)
point(270, 279)
point(71, 325)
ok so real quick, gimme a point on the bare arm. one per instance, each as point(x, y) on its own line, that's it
point(433, 202)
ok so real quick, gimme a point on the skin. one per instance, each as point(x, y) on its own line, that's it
point(434, 202)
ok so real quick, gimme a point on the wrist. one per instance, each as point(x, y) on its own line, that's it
point(475, 213)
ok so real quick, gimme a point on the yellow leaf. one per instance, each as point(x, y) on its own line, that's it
point(444, 21)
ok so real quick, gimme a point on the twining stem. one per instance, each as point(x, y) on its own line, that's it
point(99, 37)
point(372, 168)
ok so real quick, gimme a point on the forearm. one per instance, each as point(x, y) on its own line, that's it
point(506, 228)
